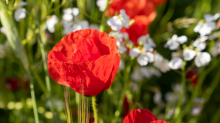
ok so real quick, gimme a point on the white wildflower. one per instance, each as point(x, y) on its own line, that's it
point(19, 14)
point(175, 41)
point(117, 22)
point(205, 28)
point(147, 42)
point(50, 23)
point(176, 63)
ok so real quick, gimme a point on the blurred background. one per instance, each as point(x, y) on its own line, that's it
point(158, 94)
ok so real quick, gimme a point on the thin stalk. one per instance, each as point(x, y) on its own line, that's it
point(36, 118)
point(67, 106)
point(183, 82)
point(198, 87)
point(47, 79)
point(216, 117)
point(94, 109)
point(210, 90)
point(102, 26)
point(15, 42)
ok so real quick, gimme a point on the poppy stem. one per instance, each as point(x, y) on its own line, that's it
point(102, 26)
point(94, 109)
point(183, 82)
point(36, 118)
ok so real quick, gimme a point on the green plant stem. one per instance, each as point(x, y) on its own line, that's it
point(47, 79)
point(216, 117)
point(102, 26)
point(94, 109)
point(198, 87)
point(15, 42)
point(210, 90)
point(33, 97)
point(212, 87)
point(183, 82)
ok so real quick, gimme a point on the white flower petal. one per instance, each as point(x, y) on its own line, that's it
point(150, 56)
point(173, 46)
point(209, 17)
point(216, 49)
point(157, 97)
point(188, 54)
point(81, 25)
point(94, 26)
point(198, 27)
point(75, 11)
point(202, 59)
point(3, 30)
point(142, 60)
point(22, 4)
point(19, 14)
point(121, 65)
point(68, 11)
point(201, 46)
point(67, 17)
point(50, 23)
point(207, 28)
point(161, 63)
point(101, 4)
point(196, 110)
point(134, 52)
point(125, 18)
point(174, 37)
point(142, 39)
point(176, 63)
point(182, 39)
point(136, 75)
point(115, 23)
point(122, 49)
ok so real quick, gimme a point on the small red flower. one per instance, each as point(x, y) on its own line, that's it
point(139, 116)
point(126, 106)
point(86, 60)
point(193, 76)
point(12, 83)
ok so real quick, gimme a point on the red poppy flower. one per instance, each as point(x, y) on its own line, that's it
point(12, 83)
point(193, 76)
point(158, 2)
point(86, 60)
point(139, 116)
point(142, 11)
point(159, 121)
point(126, 106)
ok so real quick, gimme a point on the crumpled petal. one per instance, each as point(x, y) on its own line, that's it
point(176, 63)
point(188, 54)
point(159, 121)
point(139, 116)
point(79, 61)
